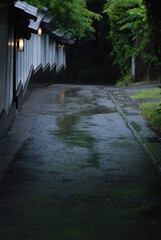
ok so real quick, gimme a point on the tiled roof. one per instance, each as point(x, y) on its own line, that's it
point(29, 9)
point(47, 18)
point(71, 41)
point(35, 18)
point(36, 24)
point(57, 33)
point(67, 36)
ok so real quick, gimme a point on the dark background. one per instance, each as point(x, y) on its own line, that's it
point(89, 61)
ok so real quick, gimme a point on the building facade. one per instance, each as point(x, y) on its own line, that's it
point(32, 51)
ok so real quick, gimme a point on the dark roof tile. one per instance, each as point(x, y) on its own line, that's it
point(36, 24)
point(42, 17)
point(29, 9)
point(57, 33)
point(47, 18)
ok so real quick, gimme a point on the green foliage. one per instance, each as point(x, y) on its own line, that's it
point(71, 16)
point(74, 16)
point(151, 108)
point(154, 20)
point(149, 93)
point(129, 32)
point(124, 80)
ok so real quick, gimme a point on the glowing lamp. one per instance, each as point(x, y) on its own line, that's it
point(61, 45)
point(39, 31)
point(20, 45)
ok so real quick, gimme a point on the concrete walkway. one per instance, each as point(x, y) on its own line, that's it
point(78, 164)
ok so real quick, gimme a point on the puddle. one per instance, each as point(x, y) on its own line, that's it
point(93, 161)
point(69, 134)
point(72, 92)
point(80, 174)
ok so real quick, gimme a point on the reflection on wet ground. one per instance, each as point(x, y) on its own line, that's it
point(80, 174)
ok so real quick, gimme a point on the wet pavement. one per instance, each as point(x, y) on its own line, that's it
point(81, 169)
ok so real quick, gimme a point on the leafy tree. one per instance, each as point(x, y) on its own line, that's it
point(71, 16)
point(129, 32)
point(88, 59)
point(154, 20)
point(87, 22)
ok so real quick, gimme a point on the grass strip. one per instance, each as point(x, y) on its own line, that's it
point(151, 109)
point(148, 93)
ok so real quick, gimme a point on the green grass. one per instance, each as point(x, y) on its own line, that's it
point(138, 83)
point(126, 80)
point(151, 109)
point(154, 93)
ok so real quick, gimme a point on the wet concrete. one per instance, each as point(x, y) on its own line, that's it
point(79, 172)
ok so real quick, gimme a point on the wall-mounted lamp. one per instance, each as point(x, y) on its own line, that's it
point(11, 43)
point(61, 45)
point(39, 31)
point(20, 44)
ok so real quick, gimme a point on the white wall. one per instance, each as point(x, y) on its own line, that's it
point(38, 50)
point(6, 61)
point(3, 62)
point(60, 57)
point(52, 52)
point(45, 57)
point(9, 72)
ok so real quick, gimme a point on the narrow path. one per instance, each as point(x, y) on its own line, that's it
point(80, 174)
